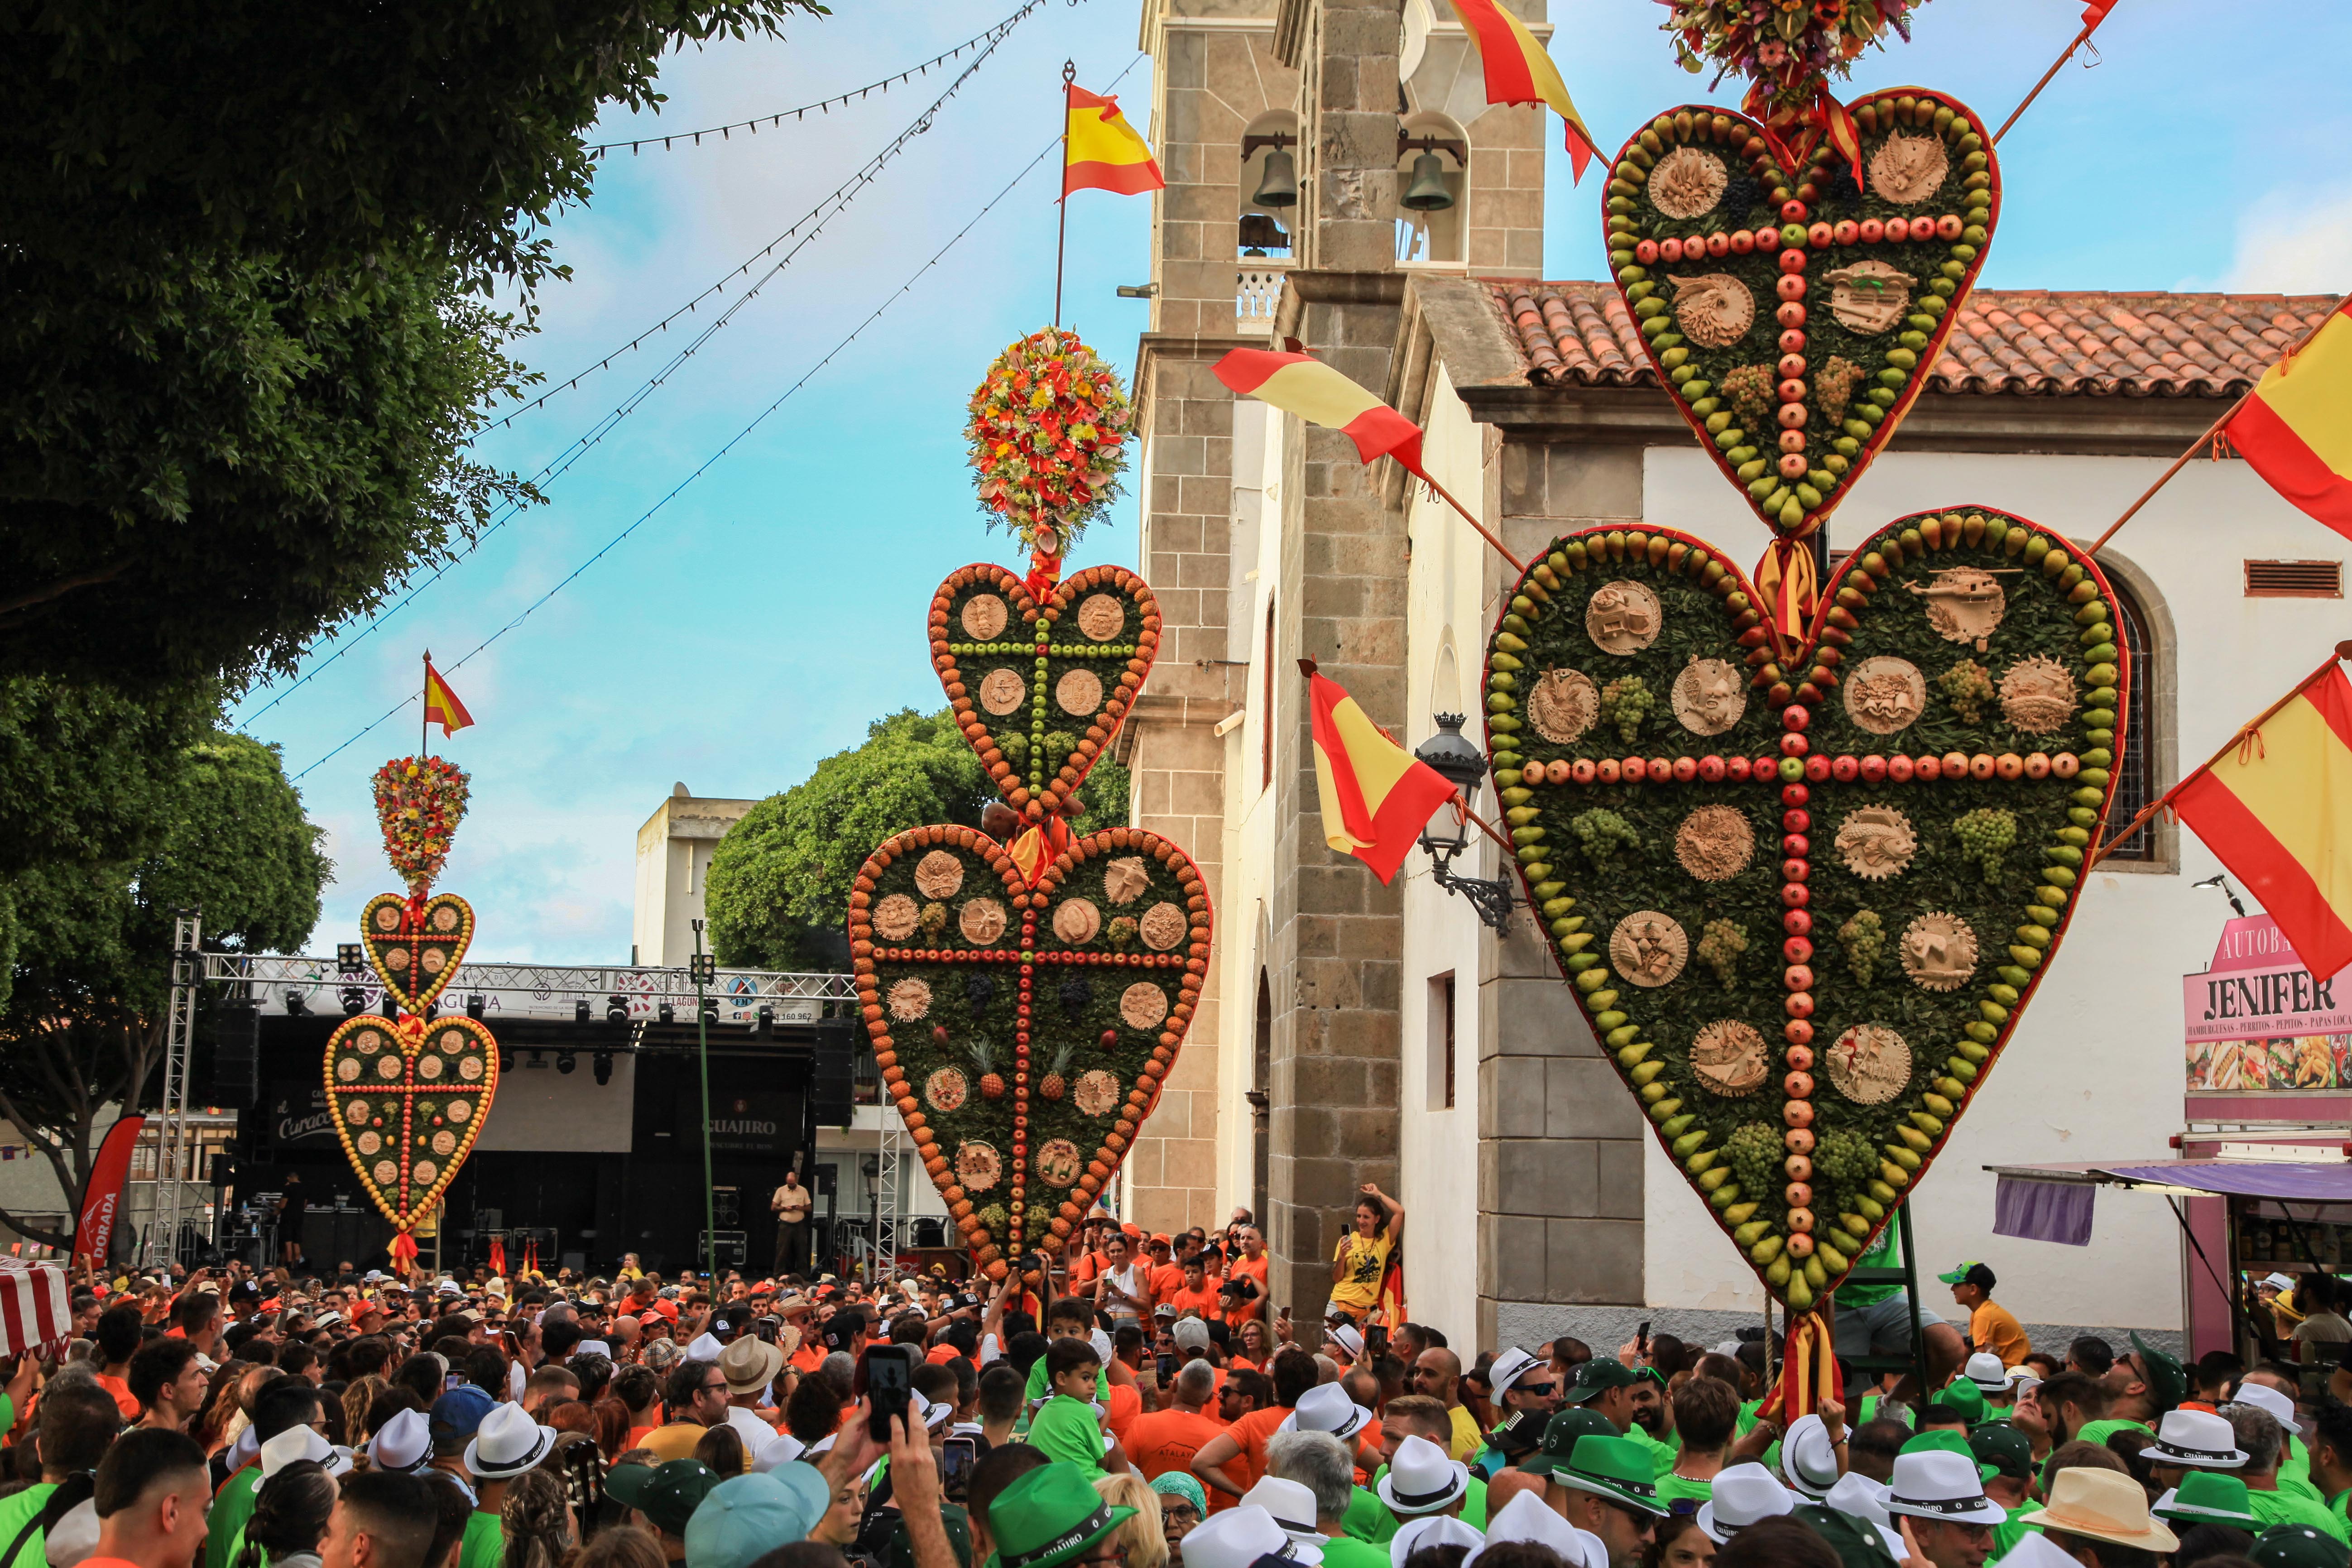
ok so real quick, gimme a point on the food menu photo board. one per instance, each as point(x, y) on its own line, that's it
point(2257, 1021)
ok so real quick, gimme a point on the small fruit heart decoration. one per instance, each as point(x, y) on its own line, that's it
point(1804, 894)
point(410, 1092)
point(1040, 689)
point(415, 946)
point(1023, 1029)
point(1792, 317)
point(409, 1100)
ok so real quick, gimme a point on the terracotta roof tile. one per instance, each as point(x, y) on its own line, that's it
point(2024, 343)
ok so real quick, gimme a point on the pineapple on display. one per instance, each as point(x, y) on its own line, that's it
point(983, 1057)
point(1052, 1086)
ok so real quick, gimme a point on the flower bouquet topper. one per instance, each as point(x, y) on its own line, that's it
point(1048, 429)
point(410, 1091)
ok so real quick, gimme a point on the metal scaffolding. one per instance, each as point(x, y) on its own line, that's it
point(172, 1128)
point(882, 1246)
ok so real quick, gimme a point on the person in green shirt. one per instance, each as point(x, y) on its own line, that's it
point(1067, 1319)
point(2009, 1453)
point(78, 1421)
point(1706, 1411)
point(2207, 1497)
point(1605, 1489)
point(507, 1443)
point(1875, 1318)
point(1066, 1428)
point(280, 1406)
point(2259, 1434)
point(1323, 1464)
point(2141, 1386)
point(2331, 1457)
point(1418, 1415)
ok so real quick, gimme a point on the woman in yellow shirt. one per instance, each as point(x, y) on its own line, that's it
point(1361, 1260)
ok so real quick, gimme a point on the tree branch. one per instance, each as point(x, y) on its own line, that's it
point(58, 589)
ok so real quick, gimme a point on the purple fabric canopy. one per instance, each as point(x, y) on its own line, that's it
point(2314, 1184)
point(2043, 1211)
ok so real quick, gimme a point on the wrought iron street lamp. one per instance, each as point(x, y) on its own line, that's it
point(1447, 833)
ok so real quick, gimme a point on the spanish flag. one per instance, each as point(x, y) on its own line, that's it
point(1101, 151)
point(1376, 795)
point(1302, 384)
point(2295, 426)
point(2276, 808)
point(441, 704)
point(1519, 71)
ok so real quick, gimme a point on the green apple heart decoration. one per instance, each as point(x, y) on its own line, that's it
point(410, 1092)
point(1804, 893)
point(1027, 999)
point(1792, 309)
point(1024, 1026)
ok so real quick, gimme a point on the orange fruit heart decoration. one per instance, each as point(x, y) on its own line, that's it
point(409, 1098)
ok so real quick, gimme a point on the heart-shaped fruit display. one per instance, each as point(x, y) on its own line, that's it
point(419, 801)
point(409, 1098)
point(1039, 691)
point(1804, 895)
point(1792, 317)
point(416, 946)
point(1023, 1030)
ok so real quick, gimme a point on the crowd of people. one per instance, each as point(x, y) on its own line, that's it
point(1137, 1402)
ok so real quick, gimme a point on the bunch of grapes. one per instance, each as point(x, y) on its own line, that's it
point(1719, 947)
point(1864, 941)
point(1015, 747)
point(1985, 834)
point(1752, 392)
point(1755, 1156)
point(1845, 1161)
point(1601, 833)
point(1968, 687)
point(1626, 703)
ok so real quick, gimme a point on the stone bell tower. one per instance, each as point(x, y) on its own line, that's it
point(1288, 130)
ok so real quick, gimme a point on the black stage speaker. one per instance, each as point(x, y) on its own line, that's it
point(829, 1082)
point(237, 1054)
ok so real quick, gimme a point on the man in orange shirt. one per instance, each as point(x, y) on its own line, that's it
point(1166, 1440)
point(117, 1334)
point(1250, 1265)
point(1167, 1276)
point(159, 1488)
point(1234, 1461)
point(1192, 1293)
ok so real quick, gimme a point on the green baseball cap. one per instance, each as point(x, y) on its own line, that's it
point(2295, 1546)
point(2167, 1381)
point(2207, 1497)
point(1855, 1541)
point(1969, 1273)
point(1964, 1396)
point(667, 1494)
point(2004, 1448)
point(1950, 1443)
point(1561, 1434)
point(1614, 1467)
point(1050, 1515)
point(1597, 1377)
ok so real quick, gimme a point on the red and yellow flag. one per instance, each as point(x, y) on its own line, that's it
point(1101, 151)
point(1519, 71)
point(2276, 808)
point(441, 704)
point(1302, 384)
point(2295, 428)
point(1376, 795)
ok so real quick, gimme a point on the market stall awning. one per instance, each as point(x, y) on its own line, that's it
point(2053, 1203)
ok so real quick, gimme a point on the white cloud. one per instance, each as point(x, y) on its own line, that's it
point(2295, 242)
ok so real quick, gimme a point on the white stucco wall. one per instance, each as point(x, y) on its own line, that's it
point(1446, 636)
point(2094, 1071)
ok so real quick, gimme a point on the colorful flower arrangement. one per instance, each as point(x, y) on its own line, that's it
point(1047, 428)
point(1787, 47)
point(419, 801)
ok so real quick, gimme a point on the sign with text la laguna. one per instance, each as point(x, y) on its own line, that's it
point(2256, 1020)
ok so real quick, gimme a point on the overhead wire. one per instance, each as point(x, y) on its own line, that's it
point(733, 442)
point(815, 221)
point(823, 105)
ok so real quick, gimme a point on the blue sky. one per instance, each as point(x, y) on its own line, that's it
point(766, 614)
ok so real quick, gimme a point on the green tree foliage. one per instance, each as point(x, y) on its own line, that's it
point(209, 822)
point(779, 880)
point(244, 348)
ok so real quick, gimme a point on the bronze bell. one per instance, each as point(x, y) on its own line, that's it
point(1278, 186)
point(1427, 193)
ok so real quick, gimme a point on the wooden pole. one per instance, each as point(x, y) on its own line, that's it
point(2199, 444)
point(1061, 223)
point(2343, 651)
point(1443, 495)
point(2080, 39)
